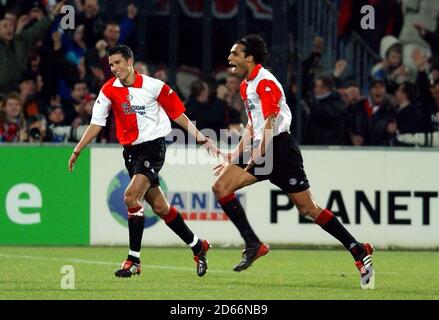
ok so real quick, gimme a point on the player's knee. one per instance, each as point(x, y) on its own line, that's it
point(160, 208)
point(130, 198)
point(219, 189)
point(309, 211)
point(303, 210)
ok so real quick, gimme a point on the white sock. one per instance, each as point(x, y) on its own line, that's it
point(193, 243)
point(134, 254)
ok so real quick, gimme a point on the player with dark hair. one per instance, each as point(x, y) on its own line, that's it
point(267, 133)
point(142, 107)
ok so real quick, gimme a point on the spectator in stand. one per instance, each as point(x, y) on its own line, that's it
point(12, 15)
point(408, 112)
point(353, 94)
point(327, 117)
point(416, 12)
point(32, 106)
point(311, 67)
point(97, 58)
point(78, 93)
point(74, 46)
point(372, 121)
point(234, 97)
point(291, 97)
point(56, 118)
point(56, 115)
point(432, 38)
point(14, 49)
point(235, 127)
point(391, 69)
point(91, 17)
point(84, 111)
point(37, 126)
point(141, 67)
point(161, 73)
point(428, 93)
point(214, 117)
point(340, 68)
point(67, 74)
point(113, 34)
point(12, 122)
point(198, 101)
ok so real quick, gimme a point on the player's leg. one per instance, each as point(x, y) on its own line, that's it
point(289, 175)
point(156, 199)
point(231, 179)
point(133, 194)
point(361, 253)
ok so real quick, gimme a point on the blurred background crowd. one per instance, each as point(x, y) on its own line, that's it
point(381, 93)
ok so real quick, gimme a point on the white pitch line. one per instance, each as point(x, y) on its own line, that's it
point(148, 266)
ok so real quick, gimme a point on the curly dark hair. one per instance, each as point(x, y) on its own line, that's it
point(254, 46)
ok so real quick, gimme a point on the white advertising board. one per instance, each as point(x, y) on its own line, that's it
point(389, 198)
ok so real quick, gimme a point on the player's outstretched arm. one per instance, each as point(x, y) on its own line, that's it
point(267, 137)
point(90, 133)
point(239, 149)
point(184, 122)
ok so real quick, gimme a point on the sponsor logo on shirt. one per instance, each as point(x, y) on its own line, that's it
point(249, 105)
point(131, 109)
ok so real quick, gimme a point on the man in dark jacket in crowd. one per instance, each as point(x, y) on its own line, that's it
point(328, 114)
point(372, 121)
point(14, 48)
point(408, 112)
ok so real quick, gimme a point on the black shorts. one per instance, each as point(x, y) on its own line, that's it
point(286, 168)
point(146, 158)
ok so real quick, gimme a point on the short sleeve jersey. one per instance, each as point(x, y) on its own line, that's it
point(263, 96)
point(141, 111)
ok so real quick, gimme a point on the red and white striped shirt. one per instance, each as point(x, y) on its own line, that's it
point(141, 111)
point(263, 96)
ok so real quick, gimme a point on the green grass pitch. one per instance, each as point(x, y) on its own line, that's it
point(169, 274)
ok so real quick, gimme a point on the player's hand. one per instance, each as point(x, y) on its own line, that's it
point(98, 73)
point(211, 148)
point(227, 159)
point(56, 10)
point(318, 44)
point(101, 47)
point(256, 158)
point(57, 44)
point(222, 92)
point(420, 28)
point(419, 58)
point(22, 22)
point(340, 68)
point(392, 127)
point(73, 158)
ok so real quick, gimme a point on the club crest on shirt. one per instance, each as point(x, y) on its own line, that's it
point(129, 97)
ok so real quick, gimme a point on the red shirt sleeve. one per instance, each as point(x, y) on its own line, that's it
point(170, 102)
point(270, 95)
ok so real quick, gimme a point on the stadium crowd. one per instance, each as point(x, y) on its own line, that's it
point(50, 77)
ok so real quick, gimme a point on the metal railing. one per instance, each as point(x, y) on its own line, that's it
point(319, 18)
